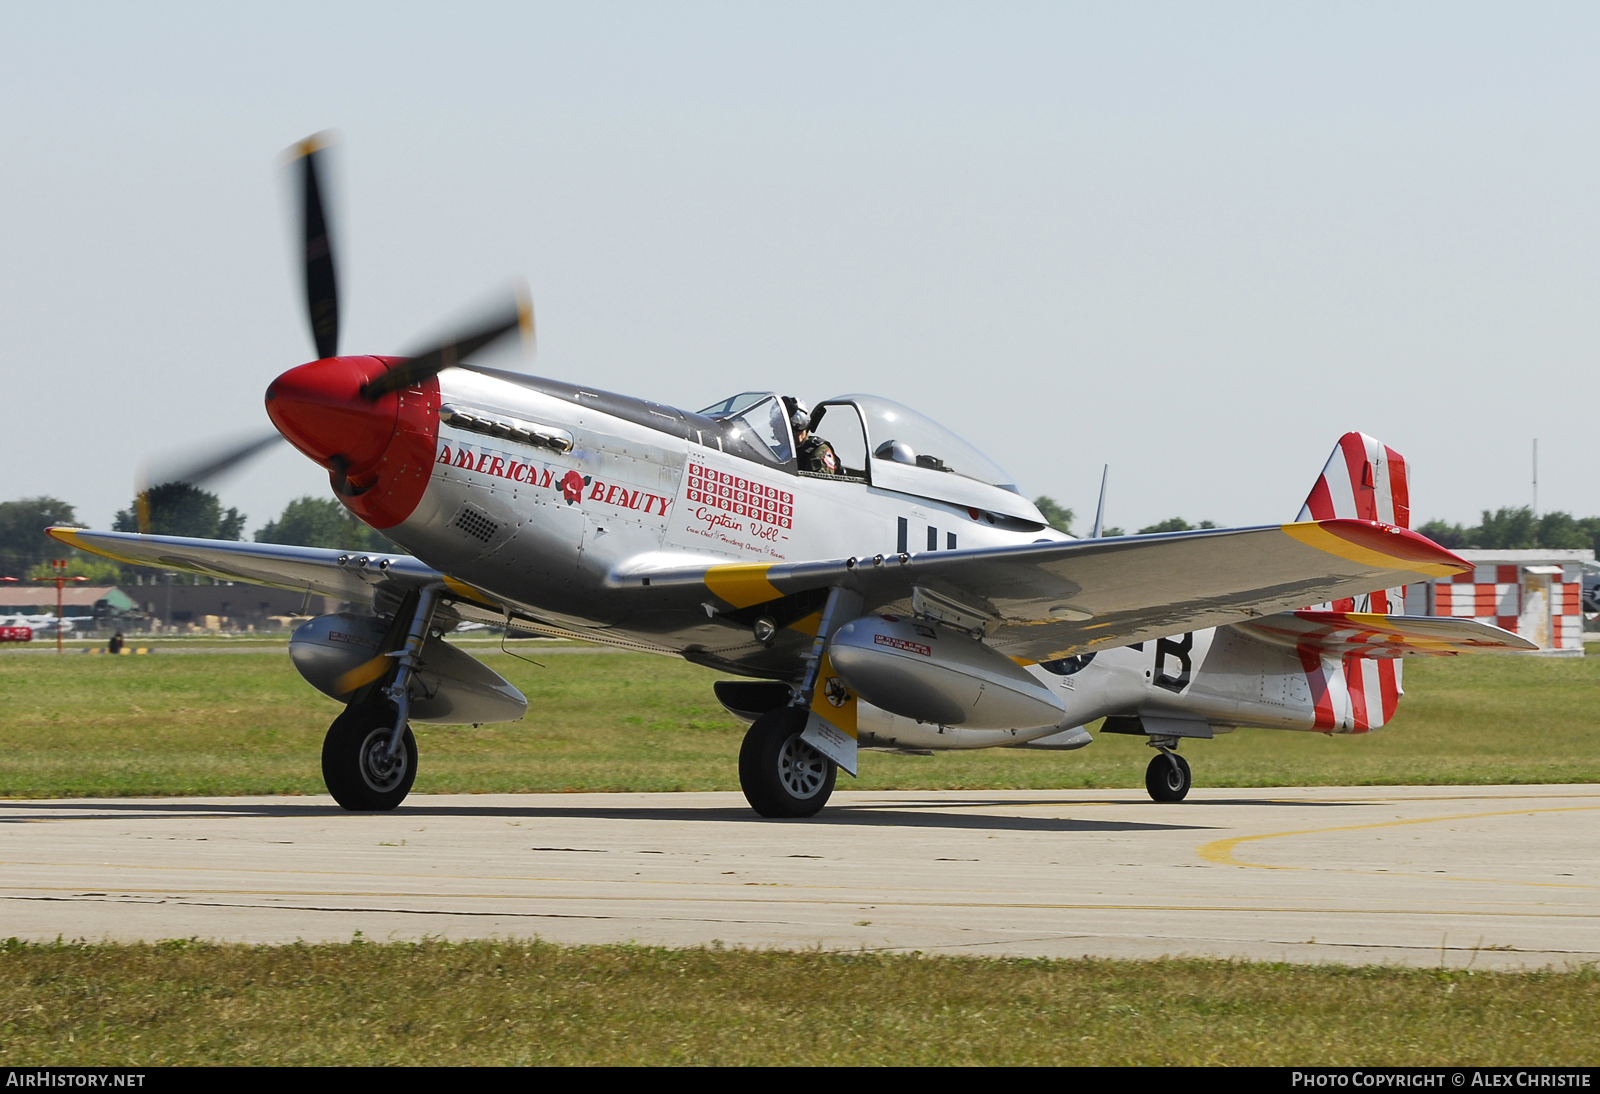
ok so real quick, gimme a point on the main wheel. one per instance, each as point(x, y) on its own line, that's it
point(356, 765)
point(781, 775)
point(1167, 778)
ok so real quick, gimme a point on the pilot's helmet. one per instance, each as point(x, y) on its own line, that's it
point(799, 413)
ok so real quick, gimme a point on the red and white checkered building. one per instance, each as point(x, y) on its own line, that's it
point(1536, 594)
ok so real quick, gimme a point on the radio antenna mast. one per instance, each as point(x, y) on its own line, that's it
point(1100, 510)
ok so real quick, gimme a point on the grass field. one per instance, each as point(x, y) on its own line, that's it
point(534, 1003)
point(245, 723)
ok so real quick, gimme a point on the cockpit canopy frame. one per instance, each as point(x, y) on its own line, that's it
point(905, 451)
point(913, 454)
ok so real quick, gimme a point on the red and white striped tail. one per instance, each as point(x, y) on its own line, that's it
point(1351, 694)
point(1364, 479)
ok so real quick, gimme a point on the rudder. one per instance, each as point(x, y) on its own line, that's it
point(1364, 479)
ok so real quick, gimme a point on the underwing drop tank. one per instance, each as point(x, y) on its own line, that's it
point(934, 674)
point(450, 687)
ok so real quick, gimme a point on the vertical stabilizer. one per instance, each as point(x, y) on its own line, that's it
point(1364, 479)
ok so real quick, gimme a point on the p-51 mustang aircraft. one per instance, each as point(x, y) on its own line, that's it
point(872, 580)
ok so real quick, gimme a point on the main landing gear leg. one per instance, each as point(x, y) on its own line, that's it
point(369, 757)
point(781, 774)
point(1167, 778)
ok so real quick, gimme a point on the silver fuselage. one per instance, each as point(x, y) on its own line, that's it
point(562, 536)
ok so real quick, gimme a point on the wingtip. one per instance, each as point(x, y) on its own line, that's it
point(1407, 549)
point(71, 537)
point(1445, 556)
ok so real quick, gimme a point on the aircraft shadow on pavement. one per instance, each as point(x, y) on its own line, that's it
point(909, 815)
point(1076, 803)
point(879, 817)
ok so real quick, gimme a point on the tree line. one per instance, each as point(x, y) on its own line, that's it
point(1518, 528)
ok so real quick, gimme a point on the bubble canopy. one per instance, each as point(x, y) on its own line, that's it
point(900, 434)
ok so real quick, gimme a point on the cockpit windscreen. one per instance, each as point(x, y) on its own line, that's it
point(761, 415)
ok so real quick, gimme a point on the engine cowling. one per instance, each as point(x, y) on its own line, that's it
point(934, 674)
point(449, 687)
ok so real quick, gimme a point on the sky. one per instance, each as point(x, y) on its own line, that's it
point(1194, 242)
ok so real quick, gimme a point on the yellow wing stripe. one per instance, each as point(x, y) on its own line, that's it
point(742, 584)
point(70, 538)
point(1313, 534)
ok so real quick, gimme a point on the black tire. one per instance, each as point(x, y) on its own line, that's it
point(1167, 778)
point(353, 755)
point(780, 774)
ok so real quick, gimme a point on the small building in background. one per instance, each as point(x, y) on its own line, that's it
point(1537, 594)
point(80, 603)
point(187, 605)
point(182, 606)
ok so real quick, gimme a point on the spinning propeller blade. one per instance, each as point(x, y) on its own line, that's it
point(322, 314)
point(202, 469)
point(515, 314)
point(195, 472)
point(321, 283)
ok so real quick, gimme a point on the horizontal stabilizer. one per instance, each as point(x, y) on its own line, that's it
point(1340, 634)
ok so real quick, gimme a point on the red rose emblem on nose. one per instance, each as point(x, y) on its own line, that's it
point(572, 487)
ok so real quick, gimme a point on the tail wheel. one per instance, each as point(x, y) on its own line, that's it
point(356, 765)
point(780, 774)
point(1167, 778)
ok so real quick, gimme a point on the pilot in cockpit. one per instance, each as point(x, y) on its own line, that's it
point(815, 454)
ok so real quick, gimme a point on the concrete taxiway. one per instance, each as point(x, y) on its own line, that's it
point(1494, 876)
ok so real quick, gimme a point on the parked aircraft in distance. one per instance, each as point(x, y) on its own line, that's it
point(42, 626)
point(869, 579)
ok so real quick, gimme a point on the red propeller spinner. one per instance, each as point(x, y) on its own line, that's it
point(378, 445)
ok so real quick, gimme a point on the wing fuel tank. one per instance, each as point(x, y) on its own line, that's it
point(452, 687)
point(933, 674)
